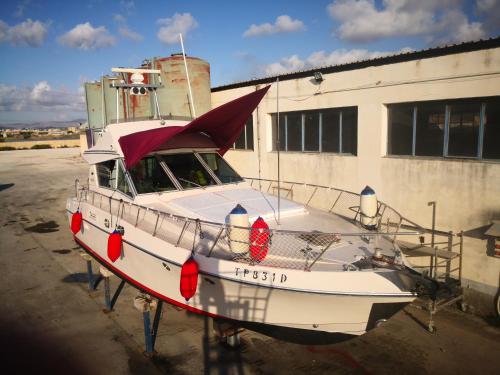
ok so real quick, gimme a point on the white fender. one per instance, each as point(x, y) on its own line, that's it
point(368, 208)
point(238, 238)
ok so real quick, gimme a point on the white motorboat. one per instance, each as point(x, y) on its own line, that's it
point(160, 197)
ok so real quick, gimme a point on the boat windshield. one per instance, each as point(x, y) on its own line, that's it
point(149, 177)
point(188, 170)
point(221, 168)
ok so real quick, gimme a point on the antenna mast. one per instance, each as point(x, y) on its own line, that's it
point(187, 75)
point(278, 144)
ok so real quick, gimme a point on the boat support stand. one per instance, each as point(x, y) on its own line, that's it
point(227, 332)
point(143, 302)
point(108, 301)
point(104, 274)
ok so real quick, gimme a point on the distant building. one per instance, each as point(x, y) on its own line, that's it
point(416, 127)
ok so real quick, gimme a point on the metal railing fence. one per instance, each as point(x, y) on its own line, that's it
point(269, 247)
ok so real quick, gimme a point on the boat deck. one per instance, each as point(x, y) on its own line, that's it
point(325, 241)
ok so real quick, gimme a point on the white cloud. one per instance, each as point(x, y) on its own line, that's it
point(286, 64)
point(39, 89)
point(438, 21)
point(40, 98)
point(28, 33)
point(322, 58)
point(172, 27)
point(283, 24)
point(85, 36)
point(126, 32)
point(490, 10)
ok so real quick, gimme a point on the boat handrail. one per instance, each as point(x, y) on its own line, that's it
point(284, 248)
point(405, 222)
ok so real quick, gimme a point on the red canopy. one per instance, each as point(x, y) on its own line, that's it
point(223, 124)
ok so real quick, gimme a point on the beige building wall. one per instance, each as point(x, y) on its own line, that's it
point(467, 192)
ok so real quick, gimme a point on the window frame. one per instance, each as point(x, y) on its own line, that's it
point(217, 179)
point(167, 172)
point(174, 178)
point(447, 103)
point(244, 133)
point(119, 165)
point(97, 176)
point(128, 180)
point(337, 112)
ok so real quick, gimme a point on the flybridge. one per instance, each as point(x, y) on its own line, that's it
point(221, 126)
point(158, 89)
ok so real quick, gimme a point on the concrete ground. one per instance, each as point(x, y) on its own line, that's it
point(50, 323)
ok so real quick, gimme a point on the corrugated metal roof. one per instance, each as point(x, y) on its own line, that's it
point(392, 59)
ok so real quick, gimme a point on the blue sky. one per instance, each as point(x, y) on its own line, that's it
point(49, 48)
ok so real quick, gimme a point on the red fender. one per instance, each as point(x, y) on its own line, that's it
point(189, 278)
point(114, 246)
point(76, 222)
point(259, 240)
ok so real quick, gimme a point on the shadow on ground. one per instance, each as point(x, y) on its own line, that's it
point(5, 186)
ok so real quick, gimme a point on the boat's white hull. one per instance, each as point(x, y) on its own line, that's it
point(342, 302)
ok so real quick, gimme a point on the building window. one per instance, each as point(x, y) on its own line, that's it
point(491, 128)
point(430, 121)
point(463, 128)
point(332, 130)
point(245, 140)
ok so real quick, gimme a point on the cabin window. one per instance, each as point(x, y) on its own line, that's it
point(106, 174)
point(149, 177)
point(461, 128)
point(221, 168)
point(332, 130)
point(188, 170)
point(245, 139)
point(122, 183)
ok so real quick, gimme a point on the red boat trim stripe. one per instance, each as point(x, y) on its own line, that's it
point(143, 287)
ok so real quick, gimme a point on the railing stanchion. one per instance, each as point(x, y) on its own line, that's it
point(156, 224)
point(335, 203)
point(137, 217)
point(461, 234)
point(182, 233)
point(215, 242)
point(335, 239)
point(312, 195)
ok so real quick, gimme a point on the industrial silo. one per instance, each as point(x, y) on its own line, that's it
point(174, 95)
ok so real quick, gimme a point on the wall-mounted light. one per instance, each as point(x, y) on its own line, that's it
point(318, 77)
